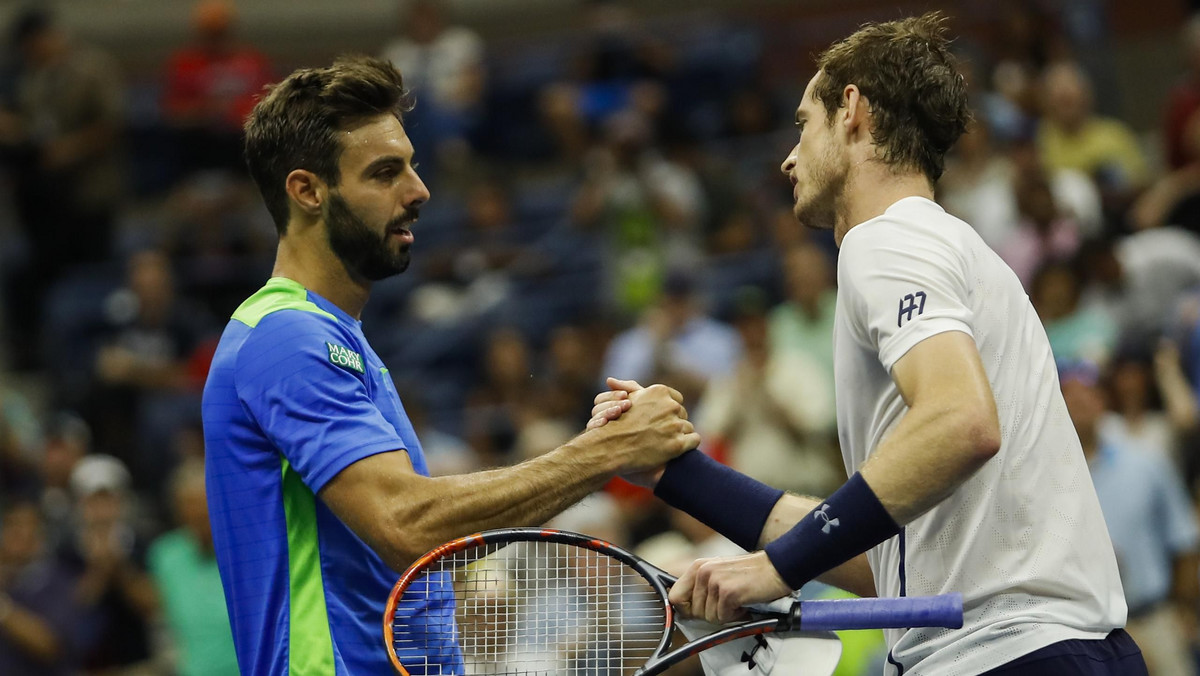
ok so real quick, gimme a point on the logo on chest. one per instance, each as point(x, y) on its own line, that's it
point(345, 357)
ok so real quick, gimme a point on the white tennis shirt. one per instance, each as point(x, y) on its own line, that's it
point(1023, 539)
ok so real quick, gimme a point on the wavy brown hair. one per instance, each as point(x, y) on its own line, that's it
point(917, 98)
point(296, 124)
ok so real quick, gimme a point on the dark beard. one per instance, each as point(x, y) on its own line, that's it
point(820, 213)
point(364, 252)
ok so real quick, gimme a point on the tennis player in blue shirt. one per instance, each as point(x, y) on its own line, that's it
point(317, 487)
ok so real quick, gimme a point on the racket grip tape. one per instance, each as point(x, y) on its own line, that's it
point(945, 610)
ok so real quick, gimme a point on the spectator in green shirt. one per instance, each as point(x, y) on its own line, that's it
point(185, 570)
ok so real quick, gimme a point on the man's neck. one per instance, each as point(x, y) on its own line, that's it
point(315, 267)
point(871, 188)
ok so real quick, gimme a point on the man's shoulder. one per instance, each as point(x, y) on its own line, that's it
point(282, 328)
point(279, 295)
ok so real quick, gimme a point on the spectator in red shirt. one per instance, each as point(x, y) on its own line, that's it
point(211, 86)
point(1184, 101)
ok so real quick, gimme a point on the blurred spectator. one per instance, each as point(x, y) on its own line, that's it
point(773, 415)
point(1140, 278)
point(219, 238)
point(1044, 233)
point(1174, 197)
point(498, 406)
point(443, 65)
point(150, 337)
point(803, 322)
point(688, 540)
point(38, 616)
point(596, 515)
point(211, 86)
point(474, 273)
point(674, 343)
point(1075, 331)
point(116, 597)
point(1180, 403)
point(68, 440)
point(647, 208)
point(1136, 420)
point(184, 569)
point(445, 454)
point(979, 187)
point(1153, 529)
point(572, 369)
point(1179, 135)
point(63, 135)
point(1071, 136)
point(618, 69)
point(20, 443)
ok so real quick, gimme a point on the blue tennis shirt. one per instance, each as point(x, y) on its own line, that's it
point(294, 396)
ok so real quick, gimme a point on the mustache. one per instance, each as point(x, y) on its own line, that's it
point(409, 217)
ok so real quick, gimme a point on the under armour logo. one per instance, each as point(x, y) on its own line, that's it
point(824, 515)
point(760, 642)
point(913, 302)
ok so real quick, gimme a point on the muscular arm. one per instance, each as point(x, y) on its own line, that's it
point(950, 430)
point(402, 515)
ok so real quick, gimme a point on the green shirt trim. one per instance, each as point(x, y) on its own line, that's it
point(310, 643)
point(279, 293)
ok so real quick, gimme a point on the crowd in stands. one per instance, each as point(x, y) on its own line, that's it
point(604, 203)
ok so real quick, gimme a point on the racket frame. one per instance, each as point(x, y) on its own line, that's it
point(936, 611)
point(659, 579)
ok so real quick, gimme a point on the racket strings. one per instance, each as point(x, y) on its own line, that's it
point(528, 607)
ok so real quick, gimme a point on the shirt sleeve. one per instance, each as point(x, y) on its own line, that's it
point(318, 414)
point(902, 285)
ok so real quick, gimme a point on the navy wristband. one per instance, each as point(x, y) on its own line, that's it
point(724, 499)
point(848, 523)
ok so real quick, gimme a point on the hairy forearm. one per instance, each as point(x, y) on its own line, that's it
point(426, 512)
point(932, 452)
point(527, 494)
point(853, 576)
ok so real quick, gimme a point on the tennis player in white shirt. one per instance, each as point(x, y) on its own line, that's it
point(966, 474)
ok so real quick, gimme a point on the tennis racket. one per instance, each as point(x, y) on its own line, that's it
point(551, 602)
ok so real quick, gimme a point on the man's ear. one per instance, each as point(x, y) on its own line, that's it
point(857, 107)
point(306, 190)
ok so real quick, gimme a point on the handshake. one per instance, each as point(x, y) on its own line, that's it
point(643, 427)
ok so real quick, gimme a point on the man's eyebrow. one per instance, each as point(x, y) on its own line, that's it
point(383, 161)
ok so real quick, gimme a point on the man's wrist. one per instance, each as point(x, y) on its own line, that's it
point(848, 523)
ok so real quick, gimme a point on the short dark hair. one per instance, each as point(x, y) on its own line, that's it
point(918, 99)
point(296, 123)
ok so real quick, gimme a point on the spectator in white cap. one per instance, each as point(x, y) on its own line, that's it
point(117, 597)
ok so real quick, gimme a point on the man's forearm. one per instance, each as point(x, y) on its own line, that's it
point(926, 458)
point(526, 494)
point(853, 576)
point(418, 513)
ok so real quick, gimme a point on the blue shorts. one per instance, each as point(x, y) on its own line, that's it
point(1116, 655)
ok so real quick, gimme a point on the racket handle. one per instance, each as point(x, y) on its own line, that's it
point(945, 610)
